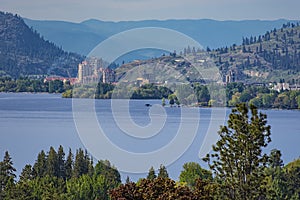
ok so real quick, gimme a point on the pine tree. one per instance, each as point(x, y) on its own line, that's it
point(276, 185)
point(80, 164)
point(52, 163)
point(238, 162)
point(7, 175)
point(27, 173)
point(151, 174)
point(39, 168)
point(61, 162)
point(162, 172)
point(69, 165)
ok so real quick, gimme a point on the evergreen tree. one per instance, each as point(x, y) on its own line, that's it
point(111, 174)
point(7, 175)
point(151, 174)
point(276, 185)
point(238, 161)
point(69, 165)
point(27, 173)
point(162, 172)
point(52, 163)
point(80, 164)
point(61, 163)
point(39, 168)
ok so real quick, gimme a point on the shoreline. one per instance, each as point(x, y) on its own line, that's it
point(145, 99)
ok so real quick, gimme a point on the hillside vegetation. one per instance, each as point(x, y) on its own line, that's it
point(24, 52)
point(272, 57)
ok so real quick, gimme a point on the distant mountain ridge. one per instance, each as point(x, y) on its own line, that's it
point(24, 52)
point(83, 37)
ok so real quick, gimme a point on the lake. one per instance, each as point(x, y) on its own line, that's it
point(32, 122)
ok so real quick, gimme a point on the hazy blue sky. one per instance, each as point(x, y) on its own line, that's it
point(119, 10)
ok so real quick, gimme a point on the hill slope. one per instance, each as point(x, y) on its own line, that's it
point(271, 57)
point(24, 52)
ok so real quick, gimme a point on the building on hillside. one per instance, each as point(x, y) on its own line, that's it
point(91, 70)
point(108, 75)
point(230, 77)
point(281, 87)
point(295, 87)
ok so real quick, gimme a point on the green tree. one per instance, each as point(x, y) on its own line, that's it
point(276, 185)
point(162, 172)
point(39, 168)
point(27, 173)
point(111, 174)
point(151, 174)
point(237, 160)
point(293, 179)
point(163, 101)
point(235, 99)
point(61, 167)
point(52, 163)
point(172, 98)
point(69, 165)
point(7, 175)
point(80, 188)
point(80, 165)
point(202, 94)
point(191, 172)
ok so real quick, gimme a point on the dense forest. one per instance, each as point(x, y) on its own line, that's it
point(25, 52)
point(238, 169)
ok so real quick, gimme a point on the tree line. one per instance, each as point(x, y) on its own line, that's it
point(262, 96)
point(8, 84)
point(239, 169)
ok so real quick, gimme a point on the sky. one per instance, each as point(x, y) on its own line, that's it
point(127, 10)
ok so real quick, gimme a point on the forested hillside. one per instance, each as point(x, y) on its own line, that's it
point(274, 56)
point(24, 52)
point(271, 57)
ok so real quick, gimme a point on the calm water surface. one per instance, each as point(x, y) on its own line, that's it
point(32, 122)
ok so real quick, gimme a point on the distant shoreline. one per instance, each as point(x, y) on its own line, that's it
point(140, 99)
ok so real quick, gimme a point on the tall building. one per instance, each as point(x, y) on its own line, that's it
point(90, 71)
point(80, 72)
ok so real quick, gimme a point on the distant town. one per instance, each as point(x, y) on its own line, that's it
point(94, 70)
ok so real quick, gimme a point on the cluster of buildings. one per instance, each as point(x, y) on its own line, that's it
point(285, 86)
point(91, 70)
point(95, 70)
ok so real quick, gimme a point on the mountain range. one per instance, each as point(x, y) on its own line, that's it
point(83, 37)
point(32, 47)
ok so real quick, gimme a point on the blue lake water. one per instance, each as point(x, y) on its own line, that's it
point(32, 122)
